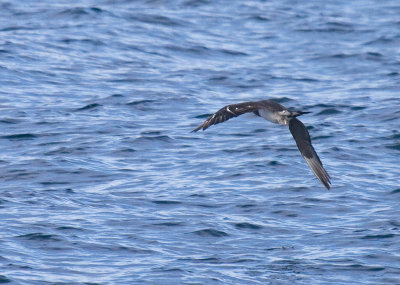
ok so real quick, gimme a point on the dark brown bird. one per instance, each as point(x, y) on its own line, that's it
point(278, 114)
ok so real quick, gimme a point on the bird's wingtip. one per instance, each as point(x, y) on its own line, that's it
point(327, 183)
point(196, 129)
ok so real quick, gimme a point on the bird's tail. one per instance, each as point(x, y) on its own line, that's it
point(298, 113)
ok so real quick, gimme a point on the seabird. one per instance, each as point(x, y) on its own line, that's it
point(278, 114)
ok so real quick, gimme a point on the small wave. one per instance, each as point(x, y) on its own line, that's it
point(285, 213)
point(238, 150)
point(83, 41)
point(170, 224)
point(50, 183)
point(366, 267)
point(68, 228)
point(305, 79)
point(161, 138)
point(282, 100)
point(322, 137)
point(333, 108)
point(395, 191)
point(39, 237)
point(196, 3)
point(379, 236)
point(330, 27)
point(329, 111)
point(20, 137)
point(198, 50)
point(123, 151)
point(393, 137)
point(321, 105)
point(204, 50)
point(274, 162)
point(380, 40)
point(336, 56)
point(78, 12)
point(210, 233)
point(203, 260)
point(395, 146)
point(247, 206)
point(207, 205)
point(259, 17)
point(242, 134)
point(166, 202)
point(198, 195)
point(131, 249)
point(89, 107)
point(156, 19)
point(203, 116)
point(357, 108)
point(374, 54)
point(16, 28)
point(166, 269)
point(248, 226)
point(4, 279)
point(218, 78)
point(151, 133)
point(140, 102)
point(116, 96)
point(233, 52)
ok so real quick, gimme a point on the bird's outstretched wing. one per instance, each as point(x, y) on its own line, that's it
point(303, 141)
point(227, 113)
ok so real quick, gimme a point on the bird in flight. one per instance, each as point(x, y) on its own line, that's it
point(278, 114)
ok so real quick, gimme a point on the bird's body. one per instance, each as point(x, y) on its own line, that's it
point(278, 114)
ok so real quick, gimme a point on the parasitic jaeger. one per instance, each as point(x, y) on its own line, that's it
point(278, 114)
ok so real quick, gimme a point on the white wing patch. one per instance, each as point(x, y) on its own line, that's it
point(227, 108)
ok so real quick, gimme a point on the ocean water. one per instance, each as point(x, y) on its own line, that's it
point(102, 181)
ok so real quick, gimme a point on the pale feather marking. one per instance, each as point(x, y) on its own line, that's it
point(227, 108)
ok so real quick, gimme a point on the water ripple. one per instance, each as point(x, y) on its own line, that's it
point(104, 183)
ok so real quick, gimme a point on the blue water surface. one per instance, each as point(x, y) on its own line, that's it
point(102, 181)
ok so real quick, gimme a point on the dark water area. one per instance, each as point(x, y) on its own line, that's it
point(103, 183)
